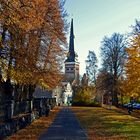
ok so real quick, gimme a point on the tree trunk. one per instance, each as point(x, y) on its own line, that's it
point(115, 99)
point(115, 92)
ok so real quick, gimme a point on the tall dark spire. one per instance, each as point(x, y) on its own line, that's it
point(71, 54)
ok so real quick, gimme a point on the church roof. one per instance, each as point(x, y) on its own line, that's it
point(71, 54)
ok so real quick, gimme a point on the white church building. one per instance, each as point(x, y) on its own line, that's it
point(71, 69)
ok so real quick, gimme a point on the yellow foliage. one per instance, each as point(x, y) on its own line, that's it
point(26, 14)
point(132, 84)
point(84, 95)
point(36, 28)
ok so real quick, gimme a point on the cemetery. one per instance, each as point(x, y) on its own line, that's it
point(15, 115)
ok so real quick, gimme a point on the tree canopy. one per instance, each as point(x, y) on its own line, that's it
point(132, 82)
point(31, 37)
point(113, 52)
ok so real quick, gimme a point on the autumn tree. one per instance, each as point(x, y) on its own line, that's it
point(104, 86)
point(31, 37)
point(33, 49)
point(132, 82)
point(91, 67)
point(84, 96)
point(113, 59)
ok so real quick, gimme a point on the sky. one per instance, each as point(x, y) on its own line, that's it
point(93, 19)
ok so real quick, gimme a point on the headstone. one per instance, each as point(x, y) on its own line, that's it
point(9, 103)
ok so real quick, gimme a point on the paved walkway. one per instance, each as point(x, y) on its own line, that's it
point(64, 127)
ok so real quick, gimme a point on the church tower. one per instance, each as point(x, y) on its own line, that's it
point(71, 63)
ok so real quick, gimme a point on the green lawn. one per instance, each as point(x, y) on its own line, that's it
point(104, 124)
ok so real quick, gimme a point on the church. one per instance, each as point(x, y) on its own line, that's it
point(71, 63)
point(64, 92)
point(71, 75)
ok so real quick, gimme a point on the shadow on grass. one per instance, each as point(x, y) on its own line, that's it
point(108, 124)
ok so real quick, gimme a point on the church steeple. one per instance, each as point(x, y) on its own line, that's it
point(71, 63)
point(71, 54)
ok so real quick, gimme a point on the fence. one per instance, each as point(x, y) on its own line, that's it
point(27, 106)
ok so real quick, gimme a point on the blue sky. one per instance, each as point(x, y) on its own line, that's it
point(93, 19)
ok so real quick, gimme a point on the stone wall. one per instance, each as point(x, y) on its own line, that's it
point(17, 123)
point(41, 107)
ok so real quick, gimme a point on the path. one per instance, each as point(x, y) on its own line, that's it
point(64, 127)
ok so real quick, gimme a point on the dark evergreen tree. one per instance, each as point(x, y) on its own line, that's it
point(84, 81)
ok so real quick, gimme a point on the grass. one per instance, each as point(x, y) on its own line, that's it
point(105, 124)
point(36, 128)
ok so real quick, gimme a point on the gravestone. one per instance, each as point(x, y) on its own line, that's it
point(9, 103)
